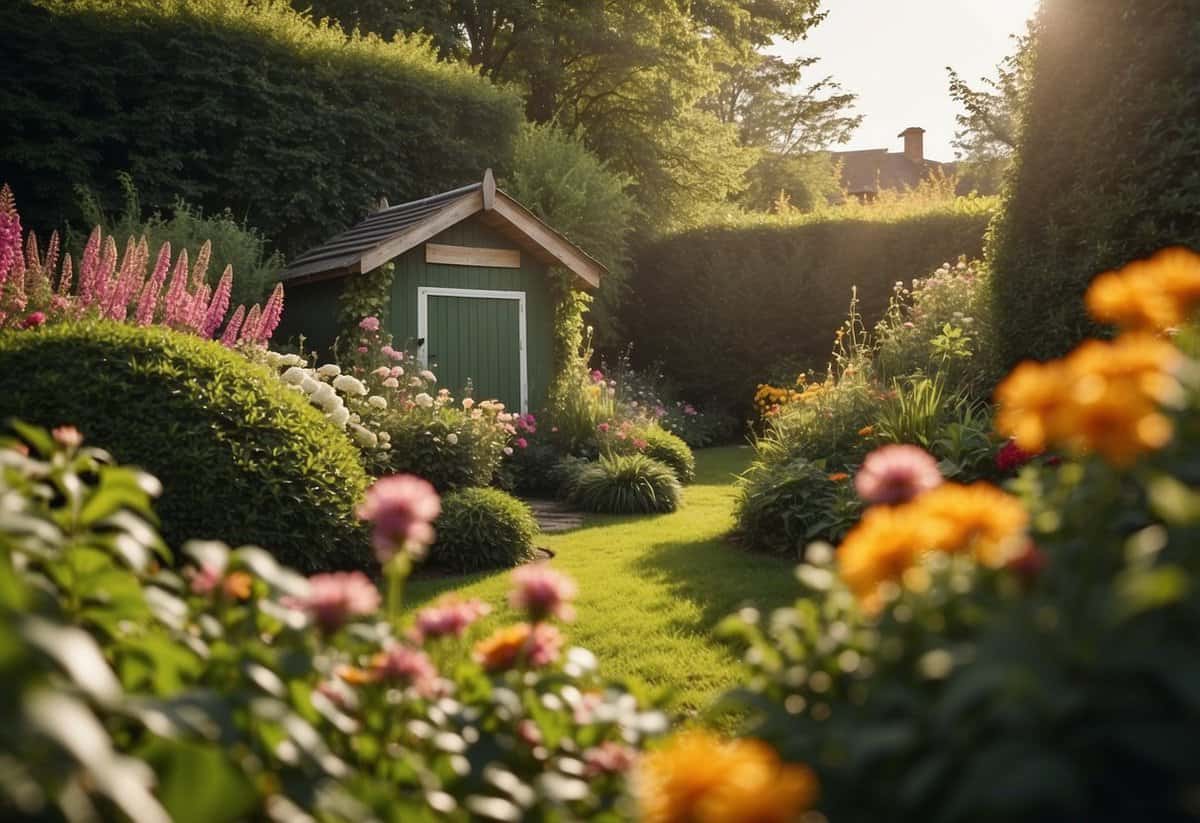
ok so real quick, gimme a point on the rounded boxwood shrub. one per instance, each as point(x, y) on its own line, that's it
point(782, 507)
point(241, 457)
point(481, 529)
point(626, 484)
point(670, 450)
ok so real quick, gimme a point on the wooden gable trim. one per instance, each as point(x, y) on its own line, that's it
point(452, 215)
point(472, 256)
point(537, 233)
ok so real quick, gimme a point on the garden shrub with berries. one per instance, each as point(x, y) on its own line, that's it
point(975, 653)
point(241, 456)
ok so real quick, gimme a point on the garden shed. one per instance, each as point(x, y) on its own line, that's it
point(471, 288)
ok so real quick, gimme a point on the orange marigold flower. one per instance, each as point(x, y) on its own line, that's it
point(886, 542)
point(1027, 403)
point(838, 477)
point(238, 585)
point(979, 518)
point(866, 431)
point(356, 676)
point(518, 644)
point(1153, 294)
point(697, 778)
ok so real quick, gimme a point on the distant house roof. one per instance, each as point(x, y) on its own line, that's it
point(394, 230)
point(869, 171)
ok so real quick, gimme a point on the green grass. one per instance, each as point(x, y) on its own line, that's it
point(652, 588)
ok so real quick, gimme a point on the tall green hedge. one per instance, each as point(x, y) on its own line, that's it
point(720, 306)
point(241, 457)
point(1108, 165)
point(294, 126)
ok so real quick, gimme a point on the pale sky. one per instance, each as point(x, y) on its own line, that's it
point(893, 54)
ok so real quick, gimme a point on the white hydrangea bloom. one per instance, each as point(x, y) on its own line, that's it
point(309, 384)
point(452, 439)
point(340, 417)
point(322, 394)
point(294, 375)
point(331, 404)
point(424, 400)
point(428, 376)
point(375, 401)
point(329, 370)
point(274, 359)
point(349, 385)
point(364, 436)
point(292, 360)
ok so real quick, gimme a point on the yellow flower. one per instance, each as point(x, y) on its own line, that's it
point(238, 585)
point(980, 519)
point(887, 541)
point(698, 778)
point(1153, 295)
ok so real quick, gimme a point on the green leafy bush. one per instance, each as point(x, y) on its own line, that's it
point(1105, 169)
point(240, 689)
point(302, 128)
point(233, 243)
point(446, 448)
point(625, 484)
point(669, 450)
point(781, 508)
point(240, 455)
point(482, 529)
point(746, 295)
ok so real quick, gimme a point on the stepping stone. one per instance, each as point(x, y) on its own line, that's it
point(553, 516)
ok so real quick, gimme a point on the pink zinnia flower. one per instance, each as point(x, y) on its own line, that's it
point(408, 666)
point(608, 758)
point(449, 617)
point(333, 599)
point(402, 509)
point(369, 324)
point(34, 320)
point(896, 473)
point(543, 592)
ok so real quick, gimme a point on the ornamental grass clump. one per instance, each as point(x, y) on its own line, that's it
point(963, 632)
point(625, 484)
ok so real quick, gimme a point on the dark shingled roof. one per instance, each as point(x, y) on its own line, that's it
point(870, 171)
point(347, 248)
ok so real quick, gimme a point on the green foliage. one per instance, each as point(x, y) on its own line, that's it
point(240, 688)
point(781, 508)
point(446, 448)
point(233, 244)
point(365, 295)
point(625, 484)
point(744, 295)
point(239, 453)
point(979, 691)
point(780, 181)
point(1106, 168)
point(295, 127)
point(559, 180)
point(481, 530)
point(669, 450)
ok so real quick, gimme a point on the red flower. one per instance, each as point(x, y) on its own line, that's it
point(1012, 457)
point(1030, 564)
point(34, 320)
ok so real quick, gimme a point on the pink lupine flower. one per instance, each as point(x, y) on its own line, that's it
point(896, 473)
point(408, 666)
point(401, 509)
point(272, 313)
point(334, 599)
point(369, 324)
point(542, 592)
point(89, 266)
point(219, 305)
point(32, 321)
point(67, 436)
point(200, 268)
point(449, 617)
point(65, 278)
point(608, 758)
point(176, 292)
point(230, 337)
point(148, 301)
point(10, 232)
point(251, 324)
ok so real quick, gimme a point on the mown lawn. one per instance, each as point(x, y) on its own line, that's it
point(652, 589)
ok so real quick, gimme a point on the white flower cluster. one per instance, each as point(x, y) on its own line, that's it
point(331, 397)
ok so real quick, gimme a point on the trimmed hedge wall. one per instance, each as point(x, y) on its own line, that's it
point(721, 305)
point(293, 126)
point(242, 458)
point(1108, 165)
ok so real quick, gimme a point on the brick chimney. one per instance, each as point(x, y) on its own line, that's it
point(914, 143)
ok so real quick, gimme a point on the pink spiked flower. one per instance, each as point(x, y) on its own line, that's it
point(896, 473)
point(219, 305)
point(10, 232)
point(229, 338)
point(174, 305)
point(271, 315)
point(401, 508)
point(200, 269)
point(64, 279)
point(148, 302)
point(250, 327)
point(449, 617)
point(542, 592)
point(334, 599)
point(89, 265)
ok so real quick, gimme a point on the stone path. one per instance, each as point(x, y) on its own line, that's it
point(554, 516)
